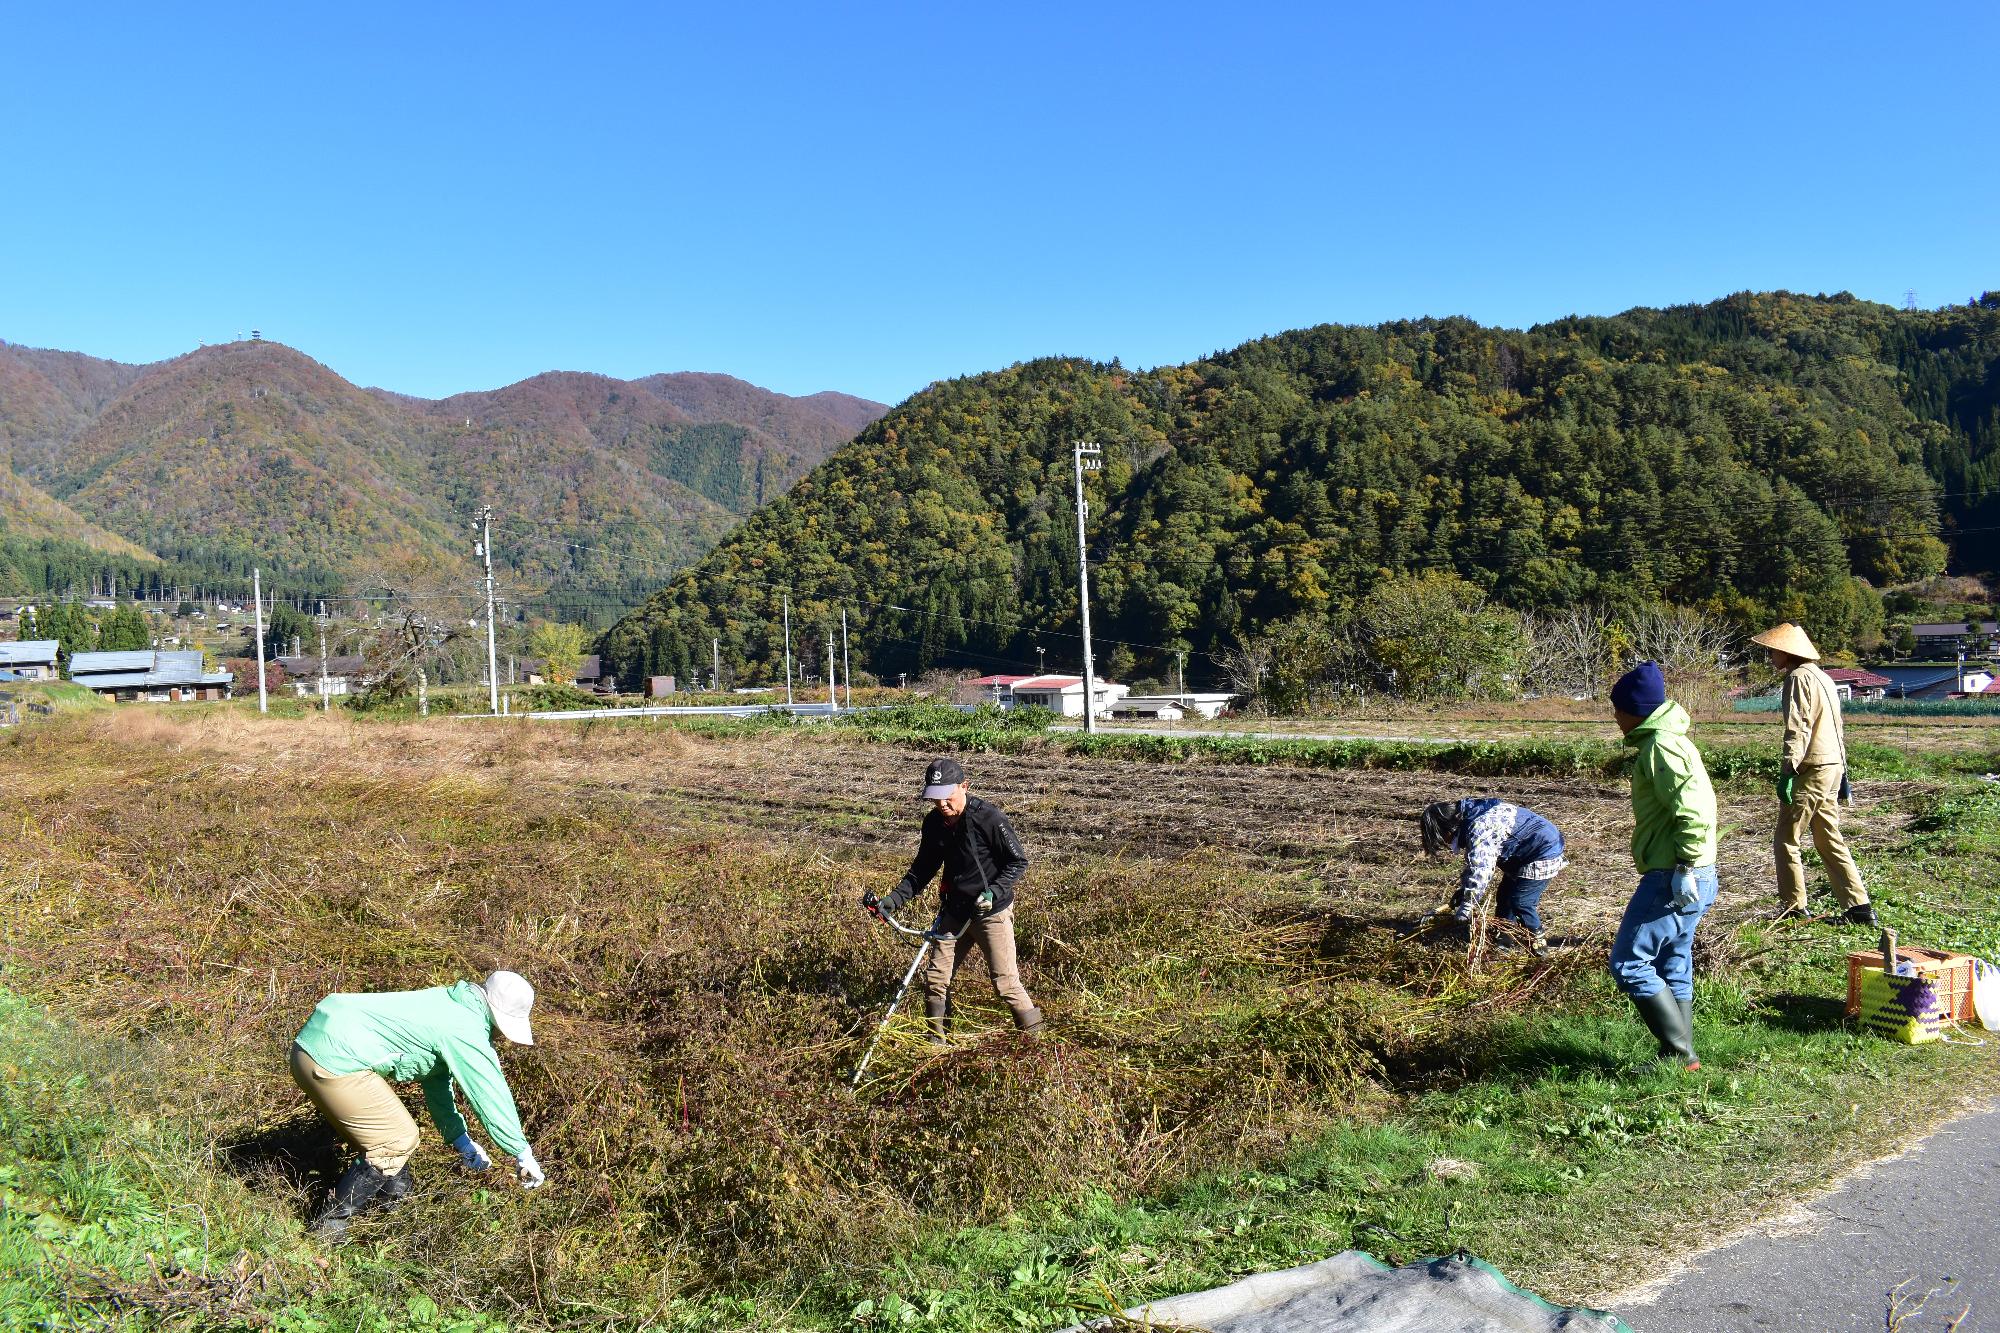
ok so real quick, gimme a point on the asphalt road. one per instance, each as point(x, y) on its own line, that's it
point(1931, 1216)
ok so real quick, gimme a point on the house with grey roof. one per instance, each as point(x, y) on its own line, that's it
point(29, 659)
point(147, 675)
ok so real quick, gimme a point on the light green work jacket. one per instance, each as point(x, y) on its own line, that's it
point(434, 1036)
point(1673, 807)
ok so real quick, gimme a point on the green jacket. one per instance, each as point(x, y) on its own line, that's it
point(1673, 807)
point(433, 1036)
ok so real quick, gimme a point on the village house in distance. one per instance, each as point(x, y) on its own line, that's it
point(147, 675)
point(31, 659)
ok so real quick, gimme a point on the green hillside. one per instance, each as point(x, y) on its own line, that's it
point(1764, 456)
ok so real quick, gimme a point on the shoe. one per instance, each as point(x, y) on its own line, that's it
point(356, 1188)
point(1861, 914)
point(937, 1012)
point(394, 1189)
point(1664, 1018)
point(1539, 946)
point(1795, 914)
point(1029, 1020)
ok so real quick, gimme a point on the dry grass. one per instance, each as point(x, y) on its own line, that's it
point(1230, 957)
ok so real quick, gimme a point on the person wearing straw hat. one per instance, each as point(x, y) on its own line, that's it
point(1812, 779)
point(1673, 846)
point(354, 1044)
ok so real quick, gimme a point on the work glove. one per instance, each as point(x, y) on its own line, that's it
point(530, 1170)
point(1787, 785)
point(1686, 892)
point(1462, 905)
point(984, 903)
point(471, 1153)
point(871, 902)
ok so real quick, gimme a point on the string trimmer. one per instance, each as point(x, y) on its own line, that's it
point(931, 939)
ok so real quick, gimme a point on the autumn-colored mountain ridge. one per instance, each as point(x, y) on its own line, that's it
point(252, 452)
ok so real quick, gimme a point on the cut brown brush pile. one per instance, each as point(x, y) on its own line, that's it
point(1229, 958)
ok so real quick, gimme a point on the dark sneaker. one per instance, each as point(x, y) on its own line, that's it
point(1861, 914)
point(1794, 914)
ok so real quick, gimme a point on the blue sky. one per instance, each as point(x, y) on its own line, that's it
point(866, 198)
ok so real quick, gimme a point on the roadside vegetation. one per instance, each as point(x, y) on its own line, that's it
point(1260, 1052)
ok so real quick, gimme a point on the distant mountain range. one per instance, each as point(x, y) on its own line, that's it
point(252, 452)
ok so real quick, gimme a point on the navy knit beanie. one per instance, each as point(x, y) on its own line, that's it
point(1640, 690)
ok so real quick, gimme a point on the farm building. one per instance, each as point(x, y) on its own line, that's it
point(148, 676)
point(30, 659)
point(589, 674)
point(1064, 694)
point(1943, 638)
point(344, 675)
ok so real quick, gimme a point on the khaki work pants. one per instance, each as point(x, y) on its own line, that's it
point(1816, 807)
point(362, 1108)
point(993, 936)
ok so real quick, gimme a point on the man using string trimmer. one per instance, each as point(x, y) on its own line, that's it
point(982, 860)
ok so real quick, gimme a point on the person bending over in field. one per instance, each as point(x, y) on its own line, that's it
point(1498, 837)
point(1673, 846)
point(354, 1043)
point(982, 860)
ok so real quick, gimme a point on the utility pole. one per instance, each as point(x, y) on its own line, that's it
point(1180, 671)
point(1041, 660)
point(485, 552)
point(715, 665)
point(832, 681)
point(846, 663)
point(788, 650)
point(1089, 457)
point(325, 697)
point(257, 595)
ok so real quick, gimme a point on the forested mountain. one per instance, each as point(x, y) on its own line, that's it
point(251, 452)
point(1766, 456)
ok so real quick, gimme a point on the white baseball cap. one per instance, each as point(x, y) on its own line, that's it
point(509, 997)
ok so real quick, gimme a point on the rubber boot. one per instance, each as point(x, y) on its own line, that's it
point(357, 1187)
point(937, 1012)
point(1687, 1025)
point(1029, 1020)
point(1661, 1013)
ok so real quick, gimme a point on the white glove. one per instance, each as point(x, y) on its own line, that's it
point(1686, 892)
point(530, 1171)
point(471, 1153)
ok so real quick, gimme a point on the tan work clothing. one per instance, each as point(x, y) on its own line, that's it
point(1815, 806)
point(993, 936)
point(362, 1108)
point(1814, 731)
point(1815, 753)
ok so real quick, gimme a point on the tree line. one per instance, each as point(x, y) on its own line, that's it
point(1768, 457)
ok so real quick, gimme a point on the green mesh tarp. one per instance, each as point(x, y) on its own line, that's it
point(1355, 1293)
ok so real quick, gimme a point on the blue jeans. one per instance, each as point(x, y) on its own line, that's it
point(1519, 900)
point(1655, 945)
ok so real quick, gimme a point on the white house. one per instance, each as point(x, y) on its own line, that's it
point(1064, 694)
point(29, 659)
point(1174, 707)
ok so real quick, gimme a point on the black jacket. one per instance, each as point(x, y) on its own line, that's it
point(981, 851)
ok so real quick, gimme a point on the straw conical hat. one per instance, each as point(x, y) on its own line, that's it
point(1788, 638)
